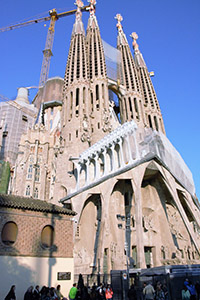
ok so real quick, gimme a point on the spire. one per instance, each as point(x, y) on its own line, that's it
point(92, 22)
point(78, 27)
point(99, 103)
point(76, 68)
point(150, 101)
point(96, 58)
point(121, 39)
point(139, 60)
point(131, 108)
point(76, 86)
point(128, 65)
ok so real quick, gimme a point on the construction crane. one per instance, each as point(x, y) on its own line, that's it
point(47, 52)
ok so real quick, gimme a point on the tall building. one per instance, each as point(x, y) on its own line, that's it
point(110, 160)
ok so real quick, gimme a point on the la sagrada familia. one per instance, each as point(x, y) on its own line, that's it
point(109, 160)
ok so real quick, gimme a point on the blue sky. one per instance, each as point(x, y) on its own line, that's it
point(169, 39)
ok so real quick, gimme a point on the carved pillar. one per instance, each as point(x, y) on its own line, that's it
point(136, 145)
point(139, 228)
point(112, 148)
point(97, 167)
point(121, 153)
point(87, 172)
point(78, 168)
point(129, 148)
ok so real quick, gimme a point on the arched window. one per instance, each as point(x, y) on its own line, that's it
point(9, 233)
point(37, 173)
point(47, 236)
point(28, 190)
point(30, 171)
point(35, 195)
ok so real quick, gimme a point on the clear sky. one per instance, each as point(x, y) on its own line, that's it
point(169, 39)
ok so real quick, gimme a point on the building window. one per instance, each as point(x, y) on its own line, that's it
point(24, 118)
point(28, 190)
point(9, 233)
point(37, 173)
point(35, 195)
point(47, 236)
point(30, 171)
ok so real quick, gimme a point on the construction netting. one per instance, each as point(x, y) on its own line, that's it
point(113, 62)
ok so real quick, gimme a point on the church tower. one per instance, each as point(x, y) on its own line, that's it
point(100, 115)
point(132, 104)
point(76, 111)
point(153, 116)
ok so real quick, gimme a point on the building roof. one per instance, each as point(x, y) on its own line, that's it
point(18, 202)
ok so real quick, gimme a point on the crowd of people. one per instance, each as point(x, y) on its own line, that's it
point(36, 293)
point(159, 291)
point(77, 292)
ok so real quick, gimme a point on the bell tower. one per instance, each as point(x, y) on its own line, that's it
point(132, 105)
point(99, 99)
point(153, 116)
point(76, 126)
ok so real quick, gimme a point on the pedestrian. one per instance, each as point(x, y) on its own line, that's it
point(148, 291)
point(29, 293)
point(100, 291)
point(11, 293)
point(73, 292)
point(159, 294)
point(197, 287)
point(191, 289)
point(185, 293)
point(108, 292)
point(58, 292)
point(36, 293)
point(132, 293)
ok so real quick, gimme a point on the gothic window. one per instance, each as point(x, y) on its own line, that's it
point(52, 111)
point(156, 122)
point(37, 173)
point(47, 236)
point(9, 233)
point(30, 171)
point(77, 102)
point(51, 124)
point(130, 106)
point(28, 190)
point(150, 123)
point(35, 195)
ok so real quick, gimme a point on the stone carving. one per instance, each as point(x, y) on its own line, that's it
point(148, 223)
point(106, 121)
point(174, 222)
point(86, 136)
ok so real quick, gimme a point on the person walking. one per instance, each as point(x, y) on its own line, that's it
point(108, 293)
point(36, 293)
point(73, 292)
point(148, 291)
point(29, 293)
point(132, 293)
point(11, 293)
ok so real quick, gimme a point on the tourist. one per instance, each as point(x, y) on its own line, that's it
point(36, 293)
point(191, 289)
point(29, 293)
point(185, 293)
point(159, 294)
point(58, 292)
point(108, 292)
point(132, 293)
point(148, 291)
point(73, 292)
point(11, 293)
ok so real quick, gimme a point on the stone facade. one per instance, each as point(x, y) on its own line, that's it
point(110, 162)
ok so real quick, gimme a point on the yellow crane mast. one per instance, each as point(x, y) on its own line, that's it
point(47, 52)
